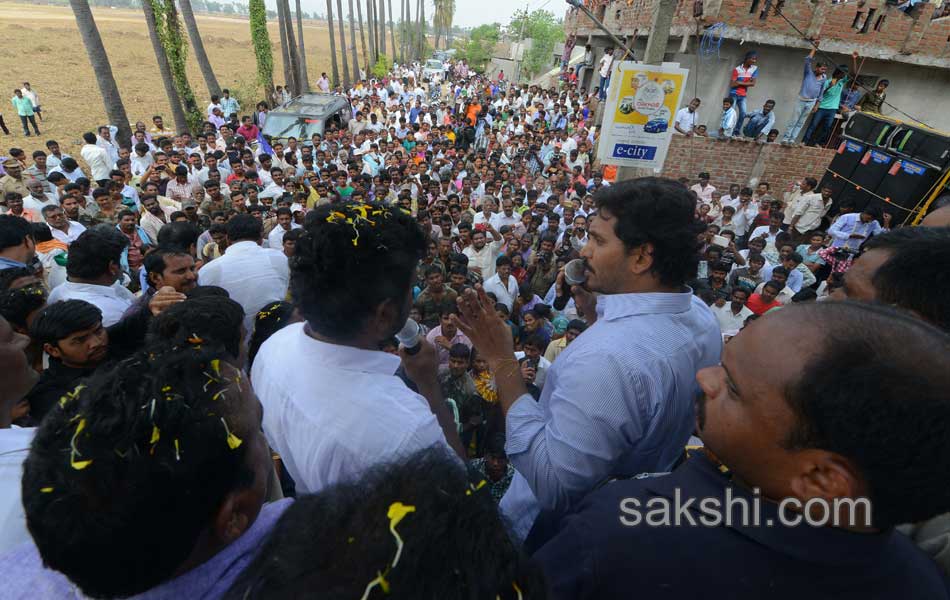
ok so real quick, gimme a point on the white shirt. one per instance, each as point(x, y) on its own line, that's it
point(112, 300)
point(543, 366)
point(98, 160)
point(333, 411)
point(36, 204)
point(480, 218)
point(686, 119)
point(500, 219)
point(483, 259)
point(275, 239)
point(72, 232)
point(704, 193)
point(14, 448)
point(605, 64)
point(809, 208)
point(504, 293)
point(252, 275)
point(769, 236)
point(729, 322)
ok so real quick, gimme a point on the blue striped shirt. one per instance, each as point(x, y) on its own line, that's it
point(617, 401)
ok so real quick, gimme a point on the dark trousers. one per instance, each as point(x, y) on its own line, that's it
point(820, 126)
point(32, 120)
point(3, 126)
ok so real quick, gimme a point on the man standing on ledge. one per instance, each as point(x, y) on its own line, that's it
point(619, 400)
point(333, 406)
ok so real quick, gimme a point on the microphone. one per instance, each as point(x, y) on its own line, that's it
point(575, 273)
point(409, 337)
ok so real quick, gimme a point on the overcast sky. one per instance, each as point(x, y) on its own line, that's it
point(468, 13)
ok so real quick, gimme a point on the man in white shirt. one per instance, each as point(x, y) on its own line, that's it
point(507, 215)
point(703, 189)
point(806, 208)
point(502, 284)
point(732, 315)
point(323, 84)
point(60, 226)
point(285, 223)
point(333, 405)
point(687, 117)
point(481, 254)
point(93, 273)
point(104, 140)
point(38, 198)
point(97, 159)
point(253, 276)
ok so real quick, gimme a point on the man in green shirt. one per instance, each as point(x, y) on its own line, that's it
point(24, 108)
point(827, 107)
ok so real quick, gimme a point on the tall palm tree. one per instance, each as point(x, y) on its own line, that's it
point(346, 68)
point(115, 110)
point(370, 24)
point(356, 60)
point(284, 54)
point(421, 17)
point(301, 53)
point(381, 23)
point(260, 39)
point(174, 100)
point(288, 24)
point(200, 55)
point(333, 59)
point(359, 19)
point(392, 28)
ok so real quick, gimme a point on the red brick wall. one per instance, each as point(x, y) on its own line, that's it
point(735, 162)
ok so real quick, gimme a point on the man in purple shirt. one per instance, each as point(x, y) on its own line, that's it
point(148, 481)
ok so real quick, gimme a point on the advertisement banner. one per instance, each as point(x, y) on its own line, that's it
point(638, 115)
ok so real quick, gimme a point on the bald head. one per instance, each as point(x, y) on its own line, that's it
point(937, 218)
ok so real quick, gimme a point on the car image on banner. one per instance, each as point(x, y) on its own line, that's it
point(656, 126)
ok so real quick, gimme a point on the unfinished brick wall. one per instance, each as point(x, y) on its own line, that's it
point(739, 162)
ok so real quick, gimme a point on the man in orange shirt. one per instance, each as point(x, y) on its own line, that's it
point(471, 113)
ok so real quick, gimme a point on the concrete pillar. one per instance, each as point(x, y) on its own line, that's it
point(817, 19)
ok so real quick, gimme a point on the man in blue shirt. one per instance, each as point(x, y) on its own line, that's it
point(760, 121)
point(815, 472)
point(17, 248)
point(619, 399)
point(813, 82)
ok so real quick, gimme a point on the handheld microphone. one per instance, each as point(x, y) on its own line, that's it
point(409, 337)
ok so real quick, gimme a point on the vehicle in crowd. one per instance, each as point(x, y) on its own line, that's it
point(433, 70)
point(305, 115)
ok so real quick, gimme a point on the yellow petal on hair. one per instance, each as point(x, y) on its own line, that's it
point(234, 441)
point(167, 388)
point(517, 590)
point(216, 367)
point(397, 511)
point(155, 435)
point(481, 484)
point(46, 490)
point(79, 465)
point(177, 450)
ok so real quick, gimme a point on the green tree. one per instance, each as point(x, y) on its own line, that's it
point(479, 46)
point(262, 48)
point(169, 29)
point(544, 30)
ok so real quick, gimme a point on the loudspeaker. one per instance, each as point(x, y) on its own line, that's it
point(843, 165)
point(869, 173)
point(906, 183)
point(862, 127)
point(922, 146)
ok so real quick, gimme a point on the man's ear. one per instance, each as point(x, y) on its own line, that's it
point(640, 259)
point(234, 516)
point(53, 350)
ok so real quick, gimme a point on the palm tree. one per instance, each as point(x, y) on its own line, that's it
point(284, 54)
point(392, 28)
point(356, 60)
point(333, 60)
point(372, 38)
point(174, 100)
point(373, 30)
point(200, 55)
point(346, 68)
point(302, 56)
point(381, 23)
point(260, 39)
point(115, 110)
point(442, 20)
point(288, 24)
point(359, 18)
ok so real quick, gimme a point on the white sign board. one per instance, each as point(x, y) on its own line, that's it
point(638, 118)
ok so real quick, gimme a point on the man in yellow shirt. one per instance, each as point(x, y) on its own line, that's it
point(574, 329)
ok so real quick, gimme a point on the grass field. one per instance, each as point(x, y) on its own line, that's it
point(44, 47)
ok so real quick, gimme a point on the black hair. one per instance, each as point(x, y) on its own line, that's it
point(914, 277)
point(778, 287)
point(536, 340)
point(243, 228)
point(780, 271)
point(382, 245)
point(460, 351)
point(17, 304)
point(578, 325)
point(720, 266)
point(8, 276)
point(13, 231)
point(146, 451)
point(60, 320)
point(877, 378)
point(93, 251)
point(269, 320)
point(181, 235)
point(339, 540)
point(502, 260)
point(89, 137)
point(805, 295)
point(660, 212)
point(154, 261)
point(200, 321)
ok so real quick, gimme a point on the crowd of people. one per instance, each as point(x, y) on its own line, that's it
point(210, 392)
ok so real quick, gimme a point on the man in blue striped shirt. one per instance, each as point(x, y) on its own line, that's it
point(619, 400)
